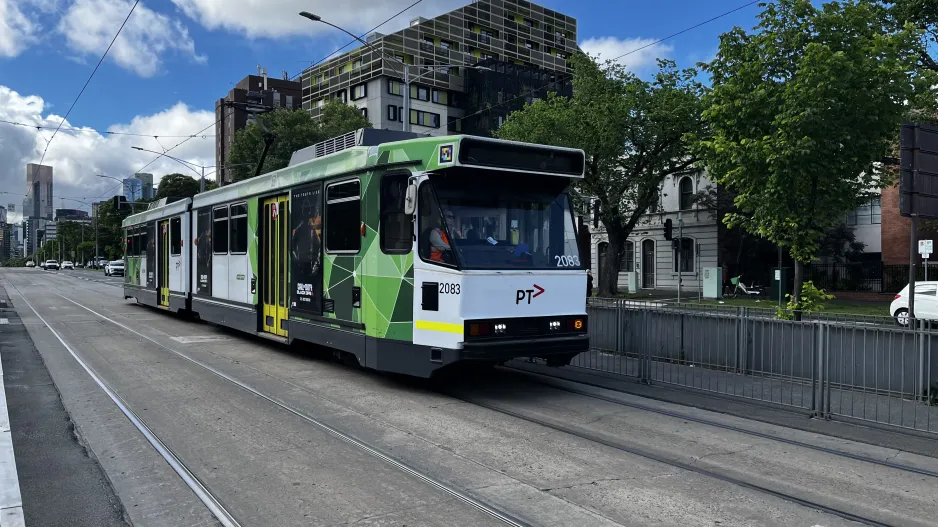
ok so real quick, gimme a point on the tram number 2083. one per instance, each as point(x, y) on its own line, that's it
point(449, 289)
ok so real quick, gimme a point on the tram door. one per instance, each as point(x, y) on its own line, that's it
point(162, 266)
point(275, 252)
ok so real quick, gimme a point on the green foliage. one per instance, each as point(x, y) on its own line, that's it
point(811, 301)
point(633, 132)
point(294, 129)
point(799, 111)
point(923, 16)
point(70, 235)
point(181, 186)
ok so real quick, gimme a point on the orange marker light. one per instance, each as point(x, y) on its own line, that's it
point(363, 229)
point(578, 324)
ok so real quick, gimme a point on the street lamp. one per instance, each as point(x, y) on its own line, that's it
point(404, 65)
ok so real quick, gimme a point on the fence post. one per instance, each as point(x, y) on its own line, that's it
point(644, 349)
point(619, 314)
point(922, 334)
point(818, 370)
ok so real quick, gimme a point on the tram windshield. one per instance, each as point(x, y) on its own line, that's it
point(477, 219)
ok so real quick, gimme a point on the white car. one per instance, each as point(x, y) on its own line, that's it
point(114, 268)
point(67, 264)
point(926, 303)
point(30, 264)
point(51, 264)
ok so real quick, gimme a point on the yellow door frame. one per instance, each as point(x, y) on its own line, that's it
point(163, 249)
point(275, 251)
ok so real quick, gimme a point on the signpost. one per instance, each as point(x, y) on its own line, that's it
point(918, 187)
point(925, 248)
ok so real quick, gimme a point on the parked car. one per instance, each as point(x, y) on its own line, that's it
point(51, 265)
point(30, 263)
point(68, 264)
point(114, 268)
point(926, 303)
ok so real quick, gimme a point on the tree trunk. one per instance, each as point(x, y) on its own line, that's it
point(609, 274)
point(796, 290)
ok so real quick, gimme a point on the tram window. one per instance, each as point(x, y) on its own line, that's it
point(239, 228)
point(220, 230)
point(397, 227)
point(175, 236)
point(343, 217)
point(132, 243)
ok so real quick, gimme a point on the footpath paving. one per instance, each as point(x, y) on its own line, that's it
point(53, 481)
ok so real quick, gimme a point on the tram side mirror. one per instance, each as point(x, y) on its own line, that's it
point(410, 199)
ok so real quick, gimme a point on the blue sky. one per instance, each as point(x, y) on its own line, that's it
point(193, 51)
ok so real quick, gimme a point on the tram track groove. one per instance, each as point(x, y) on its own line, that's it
point(211, 502)
point(690, 467)
point(532, 378)
point(484, 506)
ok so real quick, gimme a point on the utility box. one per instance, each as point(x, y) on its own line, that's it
point(713, 282)
point(781, 281)
point(631, 280)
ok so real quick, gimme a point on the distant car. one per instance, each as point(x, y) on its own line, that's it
point(114, 268)
point(30, 264)
point(926, 303)
point(67, 264)
point(51, 264)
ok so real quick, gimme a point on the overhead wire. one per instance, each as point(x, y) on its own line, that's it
point(89, 130)
point(85, 86)
point(568, 76)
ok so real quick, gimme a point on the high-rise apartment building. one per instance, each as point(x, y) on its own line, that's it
point(481, 62)
point(146, 185)
point(232, 112)
point(133, 189)
point(37, 206)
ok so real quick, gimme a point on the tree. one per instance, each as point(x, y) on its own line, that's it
point(799, 112)
point(632, 131)
point(294, 130)
point(181, 186)
point(923, 16)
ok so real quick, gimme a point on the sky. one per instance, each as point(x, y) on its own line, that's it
point(158, 85)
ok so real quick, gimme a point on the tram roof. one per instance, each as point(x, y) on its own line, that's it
point(422, 153)
point(158, 212)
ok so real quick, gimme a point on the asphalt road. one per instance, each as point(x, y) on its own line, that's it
point(269, 465)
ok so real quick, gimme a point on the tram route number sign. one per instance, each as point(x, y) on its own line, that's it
point(925, 248)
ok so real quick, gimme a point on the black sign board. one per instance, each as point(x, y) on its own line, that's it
point(306, 248)
point(918, 171)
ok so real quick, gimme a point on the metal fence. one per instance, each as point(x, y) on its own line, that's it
point(868, 369)
point(873, 277)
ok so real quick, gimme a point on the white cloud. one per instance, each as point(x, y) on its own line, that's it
point(77, 156)
point(280, 18)
point(17, 29)
point(608, 48)
point(89, 25)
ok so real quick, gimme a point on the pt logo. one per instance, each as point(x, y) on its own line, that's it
point(521, 294)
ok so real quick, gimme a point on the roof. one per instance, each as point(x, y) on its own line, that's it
point(157, 213)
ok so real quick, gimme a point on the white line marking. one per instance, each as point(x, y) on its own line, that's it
point(216, 508)
point(11, 501)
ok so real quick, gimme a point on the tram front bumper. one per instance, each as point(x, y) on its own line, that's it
point(501, 350)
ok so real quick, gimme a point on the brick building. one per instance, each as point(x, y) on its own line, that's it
point(895, 230)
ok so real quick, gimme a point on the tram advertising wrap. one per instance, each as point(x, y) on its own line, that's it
point(149, 234)
point(204, 252)
point(306, 244)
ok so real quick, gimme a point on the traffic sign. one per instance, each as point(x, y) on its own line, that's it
point(925, 247)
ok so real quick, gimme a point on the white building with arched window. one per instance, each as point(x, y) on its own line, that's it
point(650, 261)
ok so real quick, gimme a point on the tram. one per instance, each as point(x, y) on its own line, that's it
point(406, 253)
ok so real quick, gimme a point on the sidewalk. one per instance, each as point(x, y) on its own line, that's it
point(53, 481)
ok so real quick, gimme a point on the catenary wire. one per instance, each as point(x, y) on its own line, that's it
point(82, 91)
point(102, 132)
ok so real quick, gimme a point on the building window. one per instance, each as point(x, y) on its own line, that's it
point(239, 229)
point(561, 55)
point(440, 97)
point(420, 92)
point(276, 99)
point(319, 103)
point(359, 92)
point(428, 119)
point(601, 251)
point(487, 55)
point(686, 191)
point(445, 44)
point(455, 125)
point(429, 41)
point(627, 262)
point(392, 112)
point(364, 112)
point(454, 71)
point(869, 213)
point(531, 45)
point(397, 227)
point(357, 65)
point(684, 246)
point(530, 23)
point(220, 230)
point(395, 87)
point(175, 236)
point(343, 217)
point(342, 95)
point(290, 102)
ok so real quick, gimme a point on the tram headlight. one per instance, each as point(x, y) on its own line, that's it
point(501, 328)
point(554, 325)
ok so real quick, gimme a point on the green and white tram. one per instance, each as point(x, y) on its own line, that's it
point(407, 253)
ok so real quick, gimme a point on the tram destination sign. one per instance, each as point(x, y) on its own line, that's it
point(918, 171)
